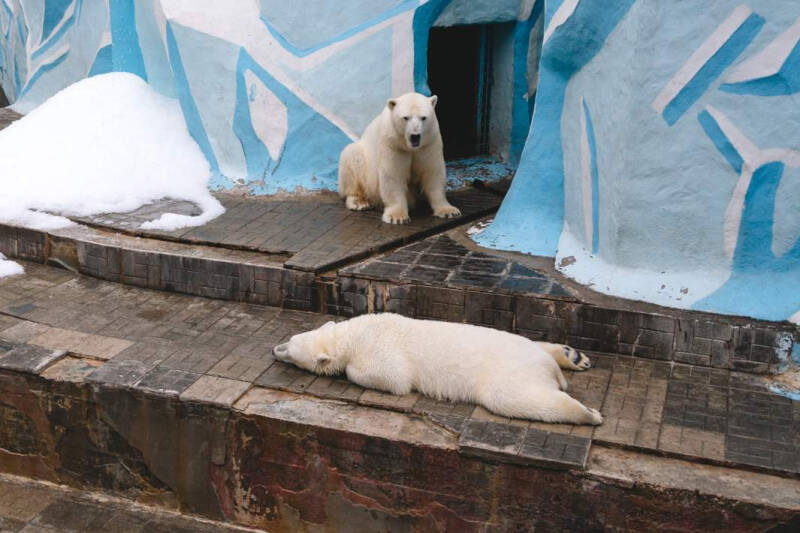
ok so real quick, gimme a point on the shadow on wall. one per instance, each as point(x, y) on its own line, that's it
point(3, 99)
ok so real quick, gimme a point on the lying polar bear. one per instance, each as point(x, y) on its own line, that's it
point(508, 374)
point(399, 155)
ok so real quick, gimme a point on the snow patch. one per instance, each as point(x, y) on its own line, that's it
point(106, 144)
point(795, 318)
point(479, 227)
point(9, 268)
point(673, 289)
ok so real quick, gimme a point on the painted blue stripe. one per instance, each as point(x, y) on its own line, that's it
point(57, 36)
point(9, 16)
point(53, 13)
point(41, 70)
point(22, 28)
point(190, 112)
point(521, 111)
point(786, 81)
point(103, 62)
point(301, 52)
point(531, 217)
point(713, 68)
point(127, 53)
point(754, 246)
point(310, 152)
point(424, 17)
point(595, 179)
point(17, 81)
point(721, 141)
point(257, 158)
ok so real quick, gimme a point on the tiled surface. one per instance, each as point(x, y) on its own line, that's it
point(435, 279)
point(316, 231)
point(215, 352)
point(7, 116)
point(26, 357)
point(441, 261)
point(528, 444)
point(440, 279)
point(27, 507)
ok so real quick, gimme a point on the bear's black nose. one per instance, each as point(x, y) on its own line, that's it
point(415, 139)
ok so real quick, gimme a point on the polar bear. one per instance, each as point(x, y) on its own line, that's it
point(399, 155)
point(508, 374)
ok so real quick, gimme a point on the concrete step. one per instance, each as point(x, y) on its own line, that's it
point(29, 506)
point(165, 397)
point(442, 277)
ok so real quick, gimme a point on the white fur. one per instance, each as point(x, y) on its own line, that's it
point(508, 374)
point(385, 167)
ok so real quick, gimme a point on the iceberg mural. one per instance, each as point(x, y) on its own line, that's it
point(661, 164)
point(270, 94)
point(656, 142)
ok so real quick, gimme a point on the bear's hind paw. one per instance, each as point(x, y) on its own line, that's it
point(595, 418)
point(578, 360)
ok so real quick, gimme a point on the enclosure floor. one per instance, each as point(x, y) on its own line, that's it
point(56, 324)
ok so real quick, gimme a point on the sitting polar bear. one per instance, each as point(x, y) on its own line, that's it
point(508, 374)
point(399, 154)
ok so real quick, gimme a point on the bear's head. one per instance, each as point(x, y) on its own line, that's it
point(310, 350)
point(414, 119)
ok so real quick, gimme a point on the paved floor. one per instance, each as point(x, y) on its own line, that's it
point(439, 260)
point(30, 507)
point(215, 351)
point(316, 231)
point(7, 117)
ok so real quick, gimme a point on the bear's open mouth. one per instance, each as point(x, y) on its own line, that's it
point(414, 138)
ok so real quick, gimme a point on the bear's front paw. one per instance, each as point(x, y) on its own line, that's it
point(395, 216)
point(595, 418)
point(447, 211)
point(354, 203)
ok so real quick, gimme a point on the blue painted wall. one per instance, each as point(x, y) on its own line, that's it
point(270, 94)
point(664, 155)
point(663, 158)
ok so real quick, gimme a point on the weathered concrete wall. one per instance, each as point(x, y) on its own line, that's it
point(270, 94)
point(663, 157)
point(261, 466)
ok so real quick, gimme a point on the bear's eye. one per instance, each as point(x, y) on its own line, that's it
point(406, 118)
point(423, 118)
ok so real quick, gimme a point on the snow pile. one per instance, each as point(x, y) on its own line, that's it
point(106, 144)
point(9, 268)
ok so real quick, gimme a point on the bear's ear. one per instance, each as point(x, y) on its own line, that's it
point(433, 99)
point(391, 103)
point(323, 359)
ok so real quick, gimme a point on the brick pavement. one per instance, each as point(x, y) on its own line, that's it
point(441, 279)
point(442, 261)
point(219, 352)
point(31, 507)
point(315, 232)
point(7, 116)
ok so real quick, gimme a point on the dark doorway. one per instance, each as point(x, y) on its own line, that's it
point(458, 68)
point(3, 99)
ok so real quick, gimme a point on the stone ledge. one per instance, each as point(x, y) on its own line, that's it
point(27, 358)
point(281, 461)
point(549, 313)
